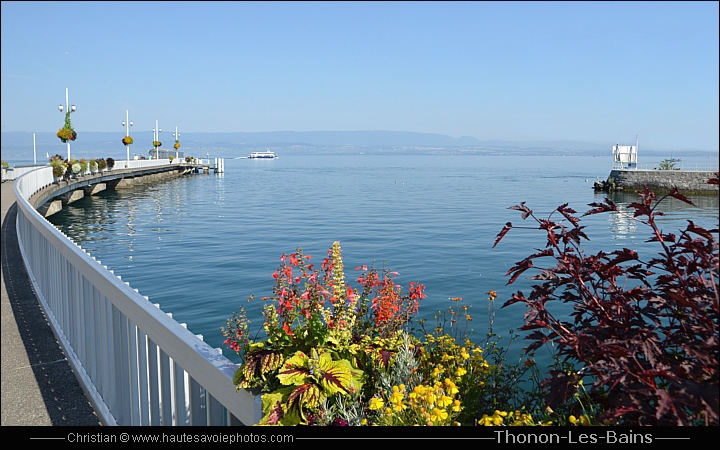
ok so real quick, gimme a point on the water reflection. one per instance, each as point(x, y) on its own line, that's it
point(703, 212)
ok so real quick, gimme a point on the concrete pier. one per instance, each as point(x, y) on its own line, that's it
point(686, 181)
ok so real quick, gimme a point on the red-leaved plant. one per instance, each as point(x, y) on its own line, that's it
point(643, 331)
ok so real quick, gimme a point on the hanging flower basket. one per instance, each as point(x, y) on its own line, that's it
point(177, 145)
point(127, 140)
point(66, 134)
point(157, 143)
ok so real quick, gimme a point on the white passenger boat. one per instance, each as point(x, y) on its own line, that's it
point(262, 155)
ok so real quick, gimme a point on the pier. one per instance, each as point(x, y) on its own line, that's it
point(626, 173)
point(686, 181)
point(52, 197)
point(135, 364)
point(39, 385)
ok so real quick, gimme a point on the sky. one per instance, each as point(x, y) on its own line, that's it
point(597, 72)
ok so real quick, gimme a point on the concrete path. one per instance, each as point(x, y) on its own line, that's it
point(39, 386)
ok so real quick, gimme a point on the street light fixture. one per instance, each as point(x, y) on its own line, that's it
point(71, 109)
point(157, 131)
point(176, 135)
point(127, 124)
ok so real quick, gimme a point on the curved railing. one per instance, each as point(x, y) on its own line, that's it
point(137, 365)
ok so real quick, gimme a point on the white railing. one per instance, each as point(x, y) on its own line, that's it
point(143, 163)
point(137, 365)
point(12, 173)
point(693, 166)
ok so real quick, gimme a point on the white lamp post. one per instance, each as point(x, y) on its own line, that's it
point(157, 131)
point(176, 135)
point(127, 124)
point(70, 109)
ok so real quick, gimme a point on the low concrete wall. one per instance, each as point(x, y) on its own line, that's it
point(662, 180)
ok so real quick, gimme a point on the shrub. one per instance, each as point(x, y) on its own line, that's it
point(644, 332)
point(669, 164)
point(324, 339)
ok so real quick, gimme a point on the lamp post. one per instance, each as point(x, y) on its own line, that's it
point(127, 124)
point(70, 109)
point(176, 135)
point(156, 132)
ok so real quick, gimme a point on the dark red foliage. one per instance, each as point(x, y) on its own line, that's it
point(643, 331)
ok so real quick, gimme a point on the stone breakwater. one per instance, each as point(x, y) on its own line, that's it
point(687, 181)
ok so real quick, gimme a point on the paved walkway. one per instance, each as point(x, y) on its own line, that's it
point(39, 386)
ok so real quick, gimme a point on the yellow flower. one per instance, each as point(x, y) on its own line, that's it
point(430, 398)
point(451, 387)
point(397, 397)
point(438, 415)
point(399, 406)
point(376, 403)
point(460, 371)
point(444, 401)
point(464, 354)
point(456, 406)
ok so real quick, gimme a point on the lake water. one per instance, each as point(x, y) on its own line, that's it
point(201, 245)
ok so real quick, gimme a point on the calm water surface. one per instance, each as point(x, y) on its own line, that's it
point(201, 245)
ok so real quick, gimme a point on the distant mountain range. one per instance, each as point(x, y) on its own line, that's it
point(231, 144)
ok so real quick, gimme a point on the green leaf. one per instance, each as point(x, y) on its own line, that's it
point(296, 370)
point(337, 376)
point(308, 395)
point(276, 410)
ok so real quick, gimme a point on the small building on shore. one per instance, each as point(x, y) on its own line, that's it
point(626, 174)
point(625, 156)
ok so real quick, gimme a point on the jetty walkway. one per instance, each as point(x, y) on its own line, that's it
point(39, 386)
point(45, 379)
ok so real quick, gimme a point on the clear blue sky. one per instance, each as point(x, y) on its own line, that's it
point(600, 72)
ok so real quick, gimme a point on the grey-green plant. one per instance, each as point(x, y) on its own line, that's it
point(669, 164)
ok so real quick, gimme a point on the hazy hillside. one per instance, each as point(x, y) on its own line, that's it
point(16, 140)
point(16, 145)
